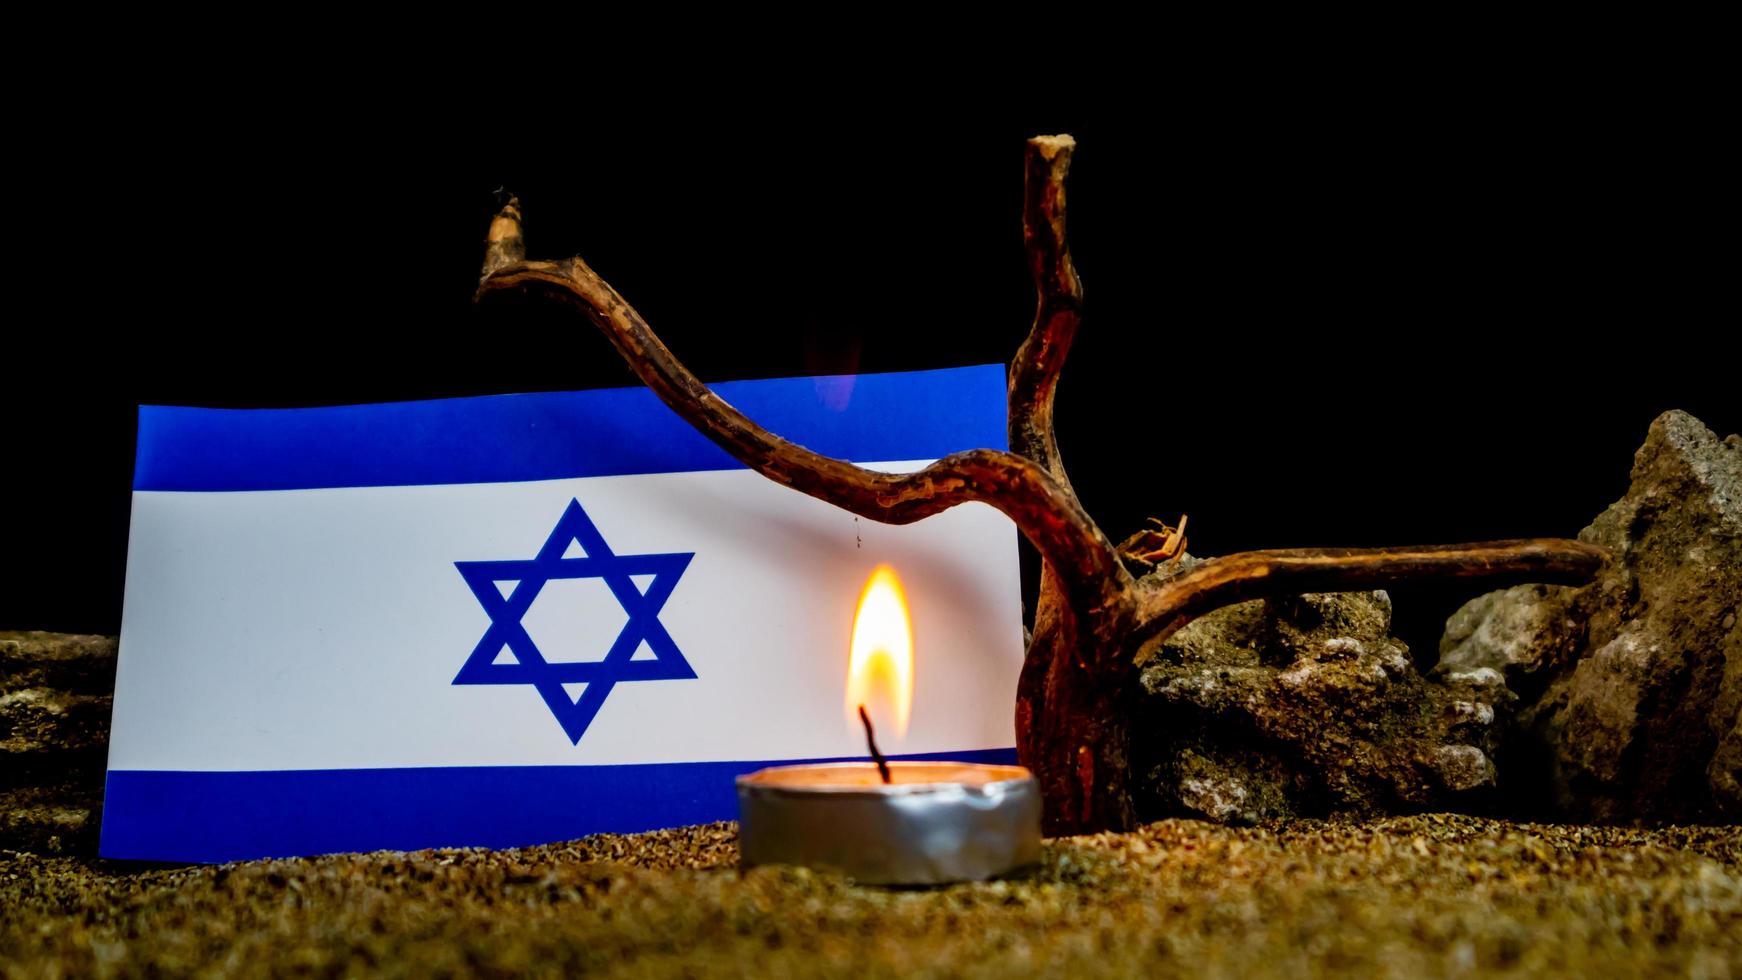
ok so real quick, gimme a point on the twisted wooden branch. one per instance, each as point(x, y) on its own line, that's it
point(1045, 511)
point(1113, 611)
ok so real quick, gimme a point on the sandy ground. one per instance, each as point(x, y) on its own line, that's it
point(1418, 896)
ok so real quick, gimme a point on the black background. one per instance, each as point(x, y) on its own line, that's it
point(1325, 305)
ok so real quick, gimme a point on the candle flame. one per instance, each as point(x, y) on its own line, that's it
point(880, 661)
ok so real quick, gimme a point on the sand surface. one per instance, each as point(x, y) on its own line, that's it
point(1418, 896)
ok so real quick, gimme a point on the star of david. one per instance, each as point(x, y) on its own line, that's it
point(486, 666)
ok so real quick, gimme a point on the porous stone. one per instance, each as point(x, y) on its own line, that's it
point(55, 696)
point(1631, 686)
point(1308, 706)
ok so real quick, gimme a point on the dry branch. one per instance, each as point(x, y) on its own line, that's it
point(1166, 606)
point(1093, 616)
point(1047, 513)
point(1034, 372)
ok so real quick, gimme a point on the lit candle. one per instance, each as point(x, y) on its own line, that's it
point(908, 823)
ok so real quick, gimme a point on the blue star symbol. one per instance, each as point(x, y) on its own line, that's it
point(529, 666)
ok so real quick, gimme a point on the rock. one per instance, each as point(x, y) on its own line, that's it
point(1504, 631)
point(1630, 687)
point(1308, 706)
point(55, 694)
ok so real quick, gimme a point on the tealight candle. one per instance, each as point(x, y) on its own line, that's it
point(890, 823)
point(933, 822)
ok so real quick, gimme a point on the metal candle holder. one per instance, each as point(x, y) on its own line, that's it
point(933, 823)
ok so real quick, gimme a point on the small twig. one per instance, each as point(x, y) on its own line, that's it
point(871, 740)
point(1154, 546)
point(1176, 541)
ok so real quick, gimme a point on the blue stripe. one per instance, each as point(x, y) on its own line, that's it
point(559, 435)
point(211, 817)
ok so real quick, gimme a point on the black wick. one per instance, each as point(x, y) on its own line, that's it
point(871, 740)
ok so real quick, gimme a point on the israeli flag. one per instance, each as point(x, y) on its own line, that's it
point(516, 619)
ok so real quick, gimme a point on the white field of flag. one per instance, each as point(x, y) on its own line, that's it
point(523, 618)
